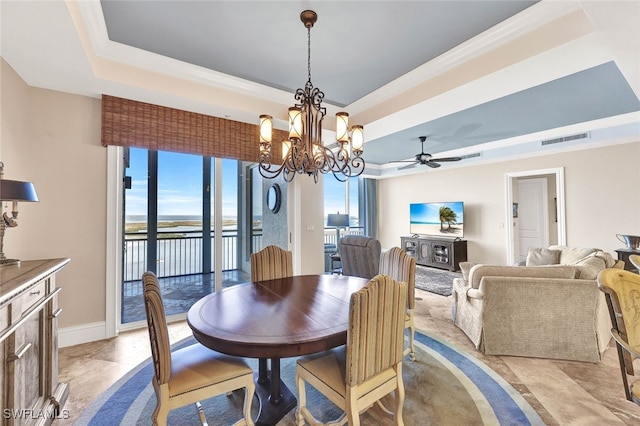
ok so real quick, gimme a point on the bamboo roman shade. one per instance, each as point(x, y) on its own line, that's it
point(138, 124)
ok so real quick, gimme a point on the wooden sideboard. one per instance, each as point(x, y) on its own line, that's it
point(442, 253)
point(30, 393)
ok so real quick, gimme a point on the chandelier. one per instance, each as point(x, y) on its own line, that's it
point(304, 150)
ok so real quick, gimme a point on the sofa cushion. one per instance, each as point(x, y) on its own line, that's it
point(551, 271)
point(570, 255)
point(539, 256)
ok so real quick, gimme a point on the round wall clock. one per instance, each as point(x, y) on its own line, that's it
point(274, 198)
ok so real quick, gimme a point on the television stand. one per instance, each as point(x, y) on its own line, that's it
point(444, 253)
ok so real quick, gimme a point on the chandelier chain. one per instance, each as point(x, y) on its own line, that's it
point(309, 52)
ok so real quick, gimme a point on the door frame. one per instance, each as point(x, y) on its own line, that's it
point(560, 205)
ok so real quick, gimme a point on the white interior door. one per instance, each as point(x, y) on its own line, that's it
point(511, 196)
point(533, 217)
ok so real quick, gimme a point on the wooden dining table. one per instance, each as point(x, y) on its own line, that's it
point(275, 319)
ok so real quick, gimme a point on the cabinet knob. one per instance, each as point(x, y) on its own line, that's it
point(34, 293)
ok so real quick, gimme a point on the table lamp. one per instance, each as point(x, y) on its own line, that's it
point(14, 191)
point(338, 221)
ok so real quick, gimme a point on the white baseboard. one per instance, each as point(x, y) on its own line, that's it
point(70, 336)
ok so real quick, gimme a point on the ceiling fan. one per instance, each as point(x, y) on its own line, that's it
point(425, 158)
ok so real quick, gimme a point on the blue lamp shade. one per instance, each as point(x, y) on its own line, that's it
point(15, 190)
point(338, 220)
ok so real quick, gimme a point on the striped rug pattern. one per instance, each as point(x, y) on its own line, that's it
point(444, 386)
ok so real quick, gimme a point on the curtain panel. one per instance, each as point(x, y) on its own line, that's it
point(368, 206)
point(131, 123)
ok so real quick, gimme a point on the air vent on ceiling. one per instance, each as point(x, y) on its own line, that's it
point(565, 139)
point(474, 155)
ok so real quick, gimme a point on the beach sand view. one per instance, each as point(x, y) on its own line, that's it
point(434, 229)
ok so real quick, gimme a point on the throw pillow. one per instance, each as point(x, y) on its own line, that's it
point(570, 255)
point(539, 256)
point(609, 260)
point(589, 267)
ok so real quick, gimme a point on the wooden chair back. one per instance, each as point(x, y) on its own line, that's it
point(624, 289)
point(375, 338)
point(623, 299)
point(270, 263)
point(396, 263)
point(157, 325)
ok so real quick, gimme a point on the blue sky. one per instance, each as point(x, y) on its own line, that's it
point(179, 184)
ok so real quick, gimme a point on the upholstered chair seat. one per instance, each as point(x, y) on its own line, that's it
point(190, 368)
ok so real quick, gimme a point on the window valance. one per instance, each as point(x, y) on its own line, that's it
point(138, 124)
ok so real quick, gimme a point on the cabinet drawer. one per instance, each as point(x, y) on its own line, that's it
point(30, 297)
point(4, 317)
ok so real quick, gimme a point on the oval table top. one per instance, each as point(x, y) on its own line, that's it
point(278, 318)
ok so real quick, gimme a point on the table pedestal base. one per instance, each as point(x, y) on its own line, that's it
point(271, 414)
point(275, 398)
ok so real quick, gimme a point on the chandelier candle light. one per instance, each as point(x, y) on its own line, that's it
point(304, 151)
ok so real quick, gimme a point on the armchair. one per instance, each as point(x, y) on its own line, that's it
point(360, 256)
point(623, 292)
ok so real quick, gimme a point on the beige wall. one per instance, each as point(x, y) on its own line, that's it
point(53, 140)
point(601, 199)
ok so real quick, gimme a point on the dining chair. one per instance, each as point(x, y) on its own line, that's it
point(400, 266)
point(357, 375)
point(270, 263)
point(360, 256)
point(622, 289)
point(191, 374)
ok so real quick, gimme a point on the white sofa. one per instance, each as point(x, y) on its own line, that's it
point(551, 308)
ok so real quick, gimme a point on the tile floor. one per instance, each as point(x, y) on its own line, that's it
point(178, 293)
point(562, 392)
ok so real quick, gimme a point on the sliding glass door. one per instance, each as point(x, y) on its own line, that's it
point(169, 228)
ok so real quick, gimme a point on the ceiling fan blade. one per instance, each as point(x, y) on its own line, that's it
point(402, 161)
point(447, 159)
point(432, 164)
point(410, 166)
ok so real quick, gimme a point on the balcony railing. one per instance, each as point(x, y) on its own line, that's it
point(179, 255)
point(330, 235)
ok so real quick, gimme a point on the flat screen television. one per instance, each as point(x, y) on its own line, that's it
point(437, 219)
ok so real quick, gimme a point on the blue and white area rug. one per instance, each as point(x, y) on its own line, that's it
point(444, 386)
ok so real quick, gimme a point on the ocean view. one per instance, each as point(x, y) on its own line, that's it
point(141, 218)
point(174, 223)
